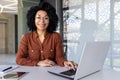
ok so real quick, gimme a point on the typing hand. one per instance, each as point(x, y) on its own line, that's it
point(46, 63)
point(70, 64)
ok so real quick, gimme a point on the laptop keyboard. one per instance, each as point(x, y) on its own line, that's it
point(69, 72)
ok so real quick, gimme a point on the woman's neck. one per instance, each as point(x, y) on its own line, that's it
point(41, 33)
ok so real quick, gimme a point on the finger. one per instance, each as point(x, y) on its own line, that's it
point(51, 62)
point(71, 64)
point(67, 65)
point(76, 66)
point(47, 65)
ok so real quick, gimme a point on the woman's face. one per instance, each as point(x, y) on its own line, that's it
point(41, 20)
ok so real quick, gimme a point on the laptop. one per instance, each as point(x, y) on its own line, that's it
point(91, 61)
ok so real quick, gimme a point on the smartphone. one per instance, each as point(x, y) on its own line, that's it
point(14, 75)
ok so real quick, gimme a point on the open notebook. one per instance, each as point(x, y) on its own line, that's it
point(91, 61)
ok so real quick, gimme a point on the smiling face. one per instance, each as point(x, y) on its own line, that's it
point(41, 20)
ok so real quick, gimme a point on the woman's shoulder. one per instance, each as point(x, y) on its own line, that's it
point(28, 34)
point(56, 34)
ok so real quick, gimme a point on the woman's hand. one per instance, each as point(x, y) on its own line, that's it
point(46, 63)
point(70, 64)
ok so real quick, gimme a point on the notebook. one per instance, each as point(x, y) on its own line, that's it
point(91, 61)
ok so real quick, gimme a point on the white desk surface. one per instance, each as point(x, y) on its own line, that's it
point(40, 73)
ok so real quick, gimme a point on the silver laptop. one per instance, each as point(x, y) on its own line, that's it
point(91, 61)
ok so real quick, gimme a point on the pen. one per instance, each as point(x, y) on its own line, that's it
point(7, 69)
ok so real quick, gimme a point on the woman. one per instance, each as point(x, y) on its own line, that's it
point(42, 46)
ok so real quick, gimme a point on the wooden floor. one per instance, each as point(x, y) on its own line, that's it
point(7, 59)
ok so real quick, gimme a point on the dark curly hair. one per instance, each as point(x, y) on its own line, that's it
point(51, 12)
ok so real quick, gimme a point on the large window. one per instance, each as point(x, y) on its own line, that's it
point(92, 20)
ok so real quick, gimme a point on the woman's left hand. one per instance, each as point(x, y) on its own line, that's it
point(70, 64)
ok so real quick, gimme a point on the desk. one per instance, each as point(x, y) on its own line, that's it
point(40, 73)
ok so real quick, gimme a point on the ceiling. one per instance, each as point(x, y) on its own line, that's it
point(8, 6)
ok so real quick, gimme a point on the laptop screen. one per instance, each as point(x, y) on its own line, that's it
point(92, 58)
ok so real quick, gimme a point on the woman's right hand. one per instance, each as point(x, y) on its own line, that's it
point(46, 63)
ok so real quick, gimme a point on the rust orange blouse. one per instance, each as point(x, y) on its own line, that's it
point(31, 50)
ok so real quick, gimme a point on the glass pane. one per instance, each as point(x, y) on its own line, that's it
point(92, 20)
point(72, 20)
point(117, 21)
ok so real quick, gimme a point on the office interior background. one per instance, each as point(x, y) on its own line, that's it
point(79, 21)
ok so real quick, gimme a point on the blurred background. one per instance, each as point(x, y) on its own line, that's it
point(79, 21)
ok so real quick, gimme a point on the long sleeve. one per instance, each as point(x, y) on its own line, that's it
point(60, 58)
point(22, 56)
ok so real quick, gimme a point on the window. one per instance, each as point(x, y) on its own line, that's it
point(92, 20)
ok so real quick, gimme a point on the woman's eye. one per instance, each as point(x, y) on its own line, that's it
point(46, 18)
point(43, 18)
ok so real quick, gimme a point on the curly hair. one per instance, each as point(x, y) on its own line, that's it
point(51, 12)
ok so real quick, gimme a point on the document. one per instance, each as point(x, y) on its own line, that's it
point(7, 68)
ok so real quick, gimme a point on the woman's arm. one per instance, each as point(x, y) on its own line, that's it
point(22, 56)
point(60, 58)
